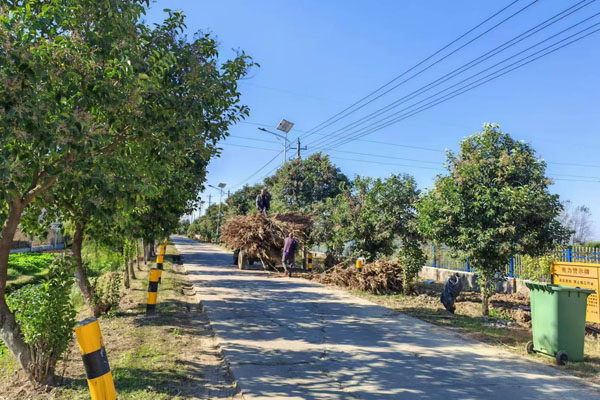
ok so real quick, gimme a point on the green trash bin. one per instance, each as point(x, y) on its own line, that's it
point(557, 320)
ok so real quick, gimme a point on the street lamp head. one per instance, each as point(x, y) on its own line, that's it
point(285, 126)
point(222, 185)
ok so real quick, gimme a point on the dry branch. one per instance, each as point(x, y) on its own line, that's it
point(262, 237)
point(379, 277)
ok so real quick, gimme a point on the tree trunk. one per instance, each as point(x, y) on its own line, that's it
point(151, 251)
point(131, 269)
point(145, 250)
point(9, 329)
point(485, 307)
point(126, 272)
point(81, 277)
point(137, 255)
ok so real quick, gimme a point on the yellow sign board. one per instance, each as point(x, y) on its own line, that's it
point(580, 275)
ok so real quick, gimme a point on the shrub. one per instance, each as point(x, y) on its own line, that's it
point(412, 258)
point(107, 290)
point(46, 317)
point(537, 268)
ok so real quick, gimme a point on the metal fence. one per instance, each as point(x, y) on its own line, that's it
point(442, 257)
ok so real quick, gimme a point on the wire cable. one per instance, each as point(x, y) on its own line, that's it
point(464, 89)
point(465, 67)
point(340, 115)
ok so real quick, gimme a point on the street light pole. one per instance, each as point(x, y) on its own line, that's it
point(220, 189)
point(285, 127)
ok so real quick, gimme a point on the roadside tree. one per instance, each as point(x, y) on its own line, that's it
point(301, 184)
point(493, 203)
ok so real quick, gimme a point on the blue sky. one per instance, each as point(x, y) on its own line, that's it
point(318, 57)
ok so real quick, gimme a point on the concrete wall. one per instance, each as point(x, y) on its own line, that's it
point(469, 280)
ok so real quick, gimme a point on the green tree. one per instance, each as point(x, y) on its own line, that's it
point(83, 84)
point(301, 184)
point(493, 203)
point(372, 213)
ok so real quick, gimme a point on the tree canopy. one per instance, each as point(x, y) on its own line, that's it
point(493, 203)
point(301, 184)
point(105, 122)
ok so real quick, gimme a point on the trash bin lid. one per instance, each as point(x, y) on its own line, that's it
point(532, 285)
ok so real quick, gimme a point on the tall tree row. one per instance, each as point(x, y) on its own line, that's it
point(107, 124)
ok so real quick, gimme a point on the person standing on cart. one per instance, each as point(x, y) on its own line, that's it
point(263, 202)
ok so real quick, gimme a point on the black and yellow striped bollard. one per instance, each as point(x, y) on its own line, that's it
point(309, 264)
point(95, 360)
point(152, 291)
point(160, 259)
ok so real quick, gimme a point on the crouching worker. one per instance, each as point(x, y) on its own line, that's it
point(290, 245)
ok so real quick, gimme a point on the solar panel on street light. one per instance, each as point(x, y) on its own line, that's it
point(285, 126)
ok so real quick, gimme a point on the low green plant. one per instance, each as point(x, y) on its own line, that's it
point(412, 258)
point(537, 268)
point(107, 290)
point(29, 263)
point(46, 318)
point(499, 314)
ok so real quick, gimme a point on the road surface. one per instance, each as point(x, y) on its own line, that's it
point(292, 339)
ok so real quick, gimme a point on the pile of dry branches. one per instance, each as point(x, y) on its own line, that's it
point(379, 277)
point(262, 237)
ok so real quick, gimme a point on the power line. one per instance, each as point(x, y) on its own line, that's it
point(465, 67)
point(590, 178)
point(413, 147)
point(257, 171)
point(254, 139)
point(464, 89)
point(248, 147)
point(340, 115)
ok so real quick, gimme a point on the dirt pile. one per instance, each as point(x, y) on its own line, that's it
point(379, 277)
point(262, 237)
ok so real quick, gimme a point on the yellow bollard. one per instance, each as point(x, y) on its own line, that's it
point(95, 361)
point(159, 265)
point(153, 291)
point(163, 250)
point(359, 263)
point(309, 265)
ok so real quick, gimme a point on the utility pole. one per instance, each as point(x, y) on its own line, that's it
point(209, 197)
point(220, 189)
point(219, 217)
point(227, 193)
point(298, 148)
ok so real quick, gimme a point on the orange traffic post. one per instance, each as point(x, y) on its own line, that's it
point(152, 291)
point(95, 361)
point(309, 264)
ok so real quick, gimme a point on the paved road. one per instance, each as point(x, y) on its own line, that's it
point(292, 339)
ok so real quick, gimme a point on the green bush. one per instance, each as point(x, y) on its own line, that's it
point(107, 289)
point(537, 268)
point(46, 317)
point(412, 258)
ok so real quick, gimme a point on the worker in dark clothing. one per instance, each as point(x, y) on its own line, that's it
point(263, 202)
point(290, 245)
